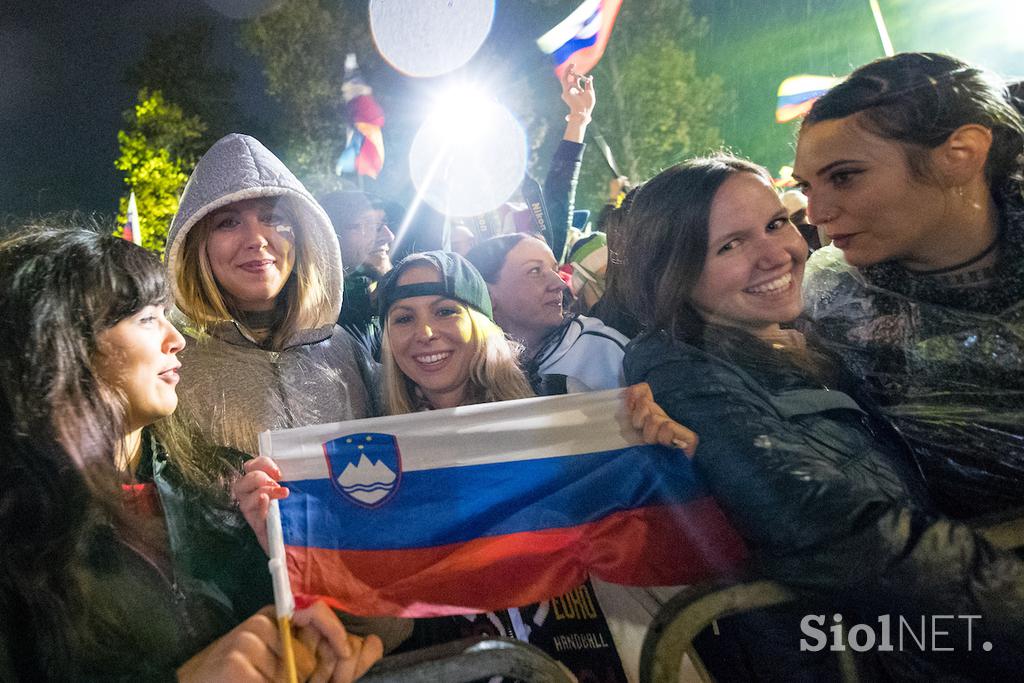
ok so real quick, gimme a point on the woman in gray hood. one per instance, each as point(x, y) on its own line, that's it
point(256, 272)
point(256, 275)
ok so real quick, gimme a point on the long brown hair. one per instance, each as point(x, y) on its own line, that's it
point(60, 425)
point(664, 249)
point(202, 300)
point(665, 241)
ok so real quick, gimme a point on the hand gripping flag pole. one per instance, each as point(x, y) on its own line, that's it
point(284, 603)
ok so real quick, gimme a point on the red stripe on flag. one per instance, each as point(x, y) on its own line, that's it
point(364, 109)
point(652, 546)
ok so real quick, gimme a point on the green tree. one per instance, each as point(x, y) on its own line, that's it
point(180, 64)
point(302, 46)
point(655, 107)
point(158, 149)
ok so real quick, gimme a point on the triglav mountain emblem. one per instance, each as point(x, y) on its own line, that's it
point(365, 468)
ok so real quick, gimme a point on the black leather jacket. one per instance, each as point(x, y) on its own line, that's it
point(823, 497)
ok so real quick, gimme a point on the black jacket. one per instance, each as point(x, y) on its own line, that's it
point(822, 497)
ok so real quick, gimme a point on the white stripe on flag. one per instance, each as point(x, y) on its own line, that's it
point(526, 429)
point(591, 27)
point(568, 28)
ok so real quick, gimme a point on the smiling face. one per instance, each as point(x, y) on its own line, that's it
point(527, 296)
point(137, 357)
point(430, 339)
point(755, 260)
point(862, 192)
point(359, 236)
point(251, 249)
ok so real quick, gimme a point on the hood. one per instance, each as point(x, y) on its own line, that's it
point(239, 167)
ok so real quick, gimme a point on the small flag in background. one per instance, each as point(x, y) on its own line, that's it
point(364, 145)
point(582, 37)
point(491, 506)
point(132, 231)
point(797, 95)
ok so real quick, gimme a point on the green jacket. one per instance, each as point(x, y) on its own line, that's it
point(142, 616)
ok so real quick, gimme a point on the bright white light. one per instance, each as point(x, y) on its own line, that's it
point(429, 37)
point(468, 157)
point(461, 112)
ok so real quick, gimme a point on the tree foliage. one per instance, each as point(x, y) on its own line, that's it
point(302, 46)
point(158, 149)
point(655, 106)
point(179, 64)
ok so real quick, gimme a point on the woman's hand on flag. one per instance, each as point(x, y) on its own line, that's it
point(254, 491)
point(655, 426)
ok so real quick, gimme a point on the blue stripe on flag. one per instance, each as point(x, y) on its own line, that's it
point(347, 160)
point(572, 47)
point(457, 504)
point(800, 97)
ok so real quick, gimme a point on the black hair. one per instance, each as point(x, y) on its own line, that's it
point(489, 256)
point(614, 309)
point(920, 99)
point(59, 425)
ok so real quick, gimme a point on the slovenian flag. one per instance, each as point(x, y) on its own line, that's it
point(491, 506)
point(581, 38)
point(364, 144)
point(797, 95)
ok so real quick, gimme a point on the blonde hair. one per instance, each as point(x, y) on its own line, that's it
point(202, 300)
point(494, 373)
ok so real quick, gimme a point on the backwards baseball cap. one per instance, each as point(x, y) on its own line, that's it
point(459, 281)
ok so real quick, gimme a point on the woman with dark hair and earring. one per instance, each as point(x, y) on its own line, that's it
point(825, 496)
point(913, 167)
point(111, 568)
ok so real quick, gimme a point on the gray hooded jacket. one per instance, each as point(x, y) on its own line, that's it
point(231, 389)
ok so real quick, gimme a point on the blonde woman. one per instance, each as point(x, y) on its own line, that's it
point(465, 358)
point(442, 349)
point(256, 275)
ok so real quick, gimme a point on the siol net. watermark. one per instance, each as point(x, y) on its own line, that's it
point(935, 633)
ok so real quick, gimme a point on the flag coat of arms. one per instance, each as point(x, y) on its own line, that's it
point(581, 37)
point(490, 506)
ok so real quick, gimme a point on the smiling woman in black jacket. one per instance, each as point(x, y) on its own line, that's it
point(822, 493)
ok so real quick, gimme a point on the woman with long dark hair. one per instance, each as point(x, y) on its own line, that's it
point(826, 497)
point(914, 167)
point(111, 566)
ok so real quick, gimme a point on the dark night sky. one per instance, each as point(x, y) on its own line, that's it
point(62, 93)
